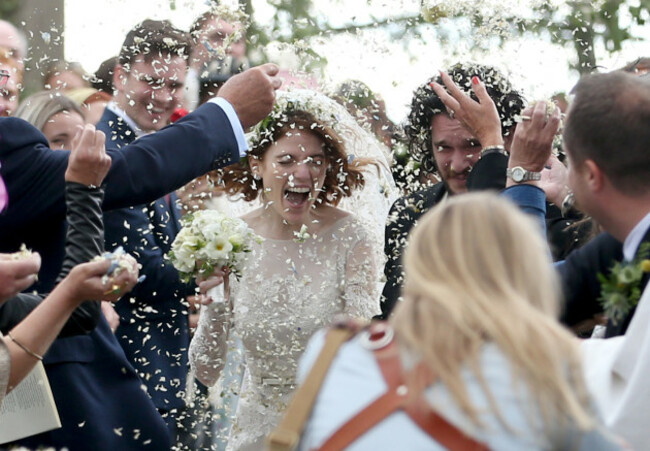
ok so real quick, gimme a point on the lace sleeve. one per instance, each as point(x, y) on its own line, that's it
point(361, 289)
point(208, 348)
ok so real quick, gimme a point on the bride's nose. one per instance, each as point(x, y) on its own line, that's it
point(301, 171)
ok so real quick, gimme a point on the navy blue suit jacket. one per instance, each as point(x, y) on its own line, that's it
point(154, 328)
point(140, 173)
point(97, 392)
point(99, 397)
point(581, 286)
point(579, 272)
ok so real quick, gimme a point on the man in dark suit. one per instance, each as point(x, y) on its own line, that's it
point(441, 144)
point(142, 172)
point(90, 376)
point(606, 138)
point(154, 328)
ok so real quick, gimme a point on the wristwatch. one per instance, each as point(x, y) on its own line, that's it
point(519, 175)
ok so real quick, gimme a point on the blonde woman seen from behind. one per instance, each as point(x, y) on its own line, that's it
point(479, 316)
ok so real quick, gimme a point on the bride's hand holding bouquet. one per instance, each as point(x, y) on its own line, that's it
point(210, 247)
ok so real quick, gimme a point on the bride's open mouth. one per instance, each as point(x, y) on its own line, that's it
point(296, 196)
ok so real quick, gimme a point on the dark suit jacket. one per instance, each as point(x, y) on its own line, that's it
point(562, 235)
point(98, 394)
point(84, 240)
point(142, 172)
point(402, 217)
point(579, 272)
point(95, 389)
point(580, 284)
point(99, 397)
point(154, 328)
point(489, 173)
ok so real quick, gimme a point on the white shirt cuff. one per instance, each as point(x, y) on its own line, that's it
point(234, 122)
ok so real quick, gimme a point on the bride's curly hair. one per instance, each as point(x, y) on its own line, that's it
point(343, 175)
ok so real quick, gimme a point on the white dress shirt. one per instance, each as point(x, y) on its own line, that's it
point(635, 237)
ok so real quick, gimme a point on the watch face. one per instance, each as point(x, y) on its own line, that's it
point(518, 174)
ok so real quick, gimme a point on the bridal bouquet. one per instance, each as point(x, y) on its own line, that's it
point(209, 239)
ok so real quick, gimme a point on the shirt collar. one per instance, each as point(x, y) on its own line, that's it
point(112, 106)
point(633, 240)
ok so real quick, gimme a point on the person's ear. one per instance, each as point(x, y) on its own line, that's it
point(119, 76)
point(256, 169)
point(594, 176)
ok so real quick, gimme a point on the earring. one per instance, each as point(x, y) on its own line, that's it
point(257, 177)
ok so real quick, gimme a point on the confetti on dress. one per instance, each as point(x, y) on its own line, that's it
point(277, 307)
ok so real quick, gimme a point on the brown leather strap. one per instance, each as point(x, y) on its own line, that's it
point(286, 436)
point(371, 415)
point(420, 411)
point(397, 397)
point(442, 431)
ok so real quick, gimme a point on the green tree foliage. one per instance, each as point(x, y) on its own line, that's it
point(7, 8)
point(586, 23)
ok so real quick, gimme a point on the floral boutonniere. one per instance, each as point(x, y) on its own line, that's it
point(621, 291)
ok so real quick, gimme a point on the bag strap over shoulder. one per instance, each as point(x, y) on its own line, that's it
point(287, 435)
point(400, 396)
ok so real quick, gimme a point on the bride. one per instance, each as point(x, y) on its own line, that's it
point(316, 259)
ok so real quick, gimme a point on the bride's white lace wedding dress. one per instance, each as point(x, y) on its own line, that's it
point(287, 291)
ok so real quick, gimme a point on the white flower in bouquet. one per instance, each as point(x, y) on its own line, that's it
point(217, 248)
point(184, 254)
point(209, 239)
